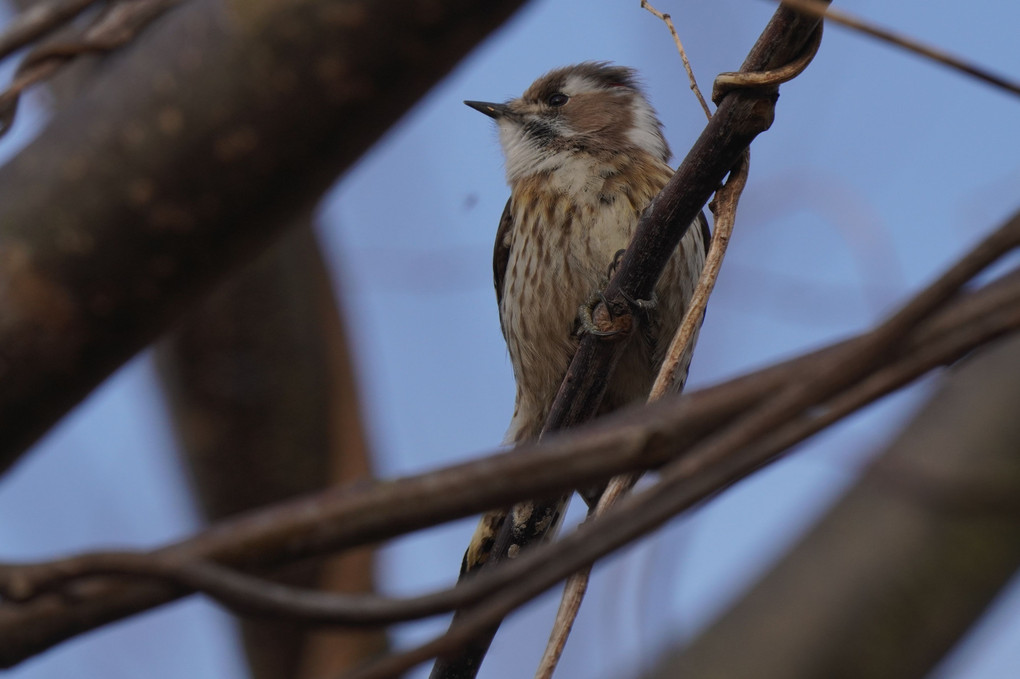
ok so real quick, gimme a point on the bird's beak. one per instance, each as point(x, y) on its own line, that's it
point(494, 111)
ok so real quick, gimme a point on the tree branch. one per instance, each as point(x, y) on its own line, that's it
point(247, 390)
point(756, 438)
point(38, 20)
point(822, 9)
point(922, 544)
point(744, 111)
point(172, 170)
point(635, 439)
point(677, 357)
point(741, 116)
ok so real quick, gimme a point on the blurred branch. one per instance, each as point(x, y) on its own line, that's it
point(249, 389)
point(635, 439)
point(38, 20)
point(246, 382)
point(189, 154)
point(246, 370)
point(820, 9)
point(327, 652)
point(904, 564)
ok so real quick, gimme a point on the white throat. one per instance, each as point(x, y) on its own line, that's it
point(524, 155)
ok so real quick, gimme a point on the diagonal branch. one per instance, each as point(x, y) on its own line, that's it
point(787, 44)
point(822, 9)
point(170, 171)
point(741, 116)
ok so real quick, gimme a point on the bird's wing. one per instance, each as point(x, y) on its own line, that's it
point(706, 233)
point(501, 257)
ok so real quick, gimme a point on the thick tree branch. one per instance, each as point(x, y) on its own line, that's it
point(245, 379)
point(191, 152)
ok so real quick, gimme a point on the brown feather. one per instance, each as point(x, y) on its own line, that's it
point(501, 255)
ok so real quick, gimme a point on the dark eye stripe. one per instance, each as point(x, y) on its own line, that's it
point(540, 131)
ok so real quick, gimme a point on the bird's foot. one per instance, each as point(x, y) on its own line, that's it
point(586, 314)
point(638, 306)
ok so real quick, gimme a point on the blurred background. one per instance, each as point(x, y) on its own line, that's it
point(879, 170)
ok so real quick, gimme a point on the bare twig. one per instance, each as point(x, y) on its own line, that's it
point(37, 21)
point(245, 594)
point(668, 20)
point(255, 595)
point(821, 9)
point(725, 209)
point(114, 28)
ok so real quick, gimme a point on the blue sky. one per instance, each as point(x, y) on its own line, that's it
point(879, 169)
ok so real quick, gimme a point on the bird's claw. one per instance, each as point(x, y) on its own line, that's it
point(585, 311)
point(618, 320)
point(615, 264)
point(638, 305)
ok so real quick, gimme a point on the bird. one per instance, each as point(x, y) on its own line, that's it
point(584, 155)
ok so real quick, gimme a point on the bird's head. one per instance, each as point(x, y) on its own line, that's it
point(591, 108)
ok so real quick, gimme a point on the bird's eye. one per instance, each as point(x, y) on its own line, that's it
point(558, 99)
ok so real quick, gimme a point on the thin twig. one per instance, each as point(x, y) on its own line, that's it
point(245, 594)
point(115, 27)
point(675, 362)
point(668, 20)
point(37, 21)
point(819, 9)
point(679, 353)
point(735, 80)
